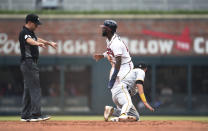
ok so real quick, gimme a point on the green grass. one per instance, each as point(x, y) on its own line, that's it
point(104, 12)
point(66, 118)
point(192, 118)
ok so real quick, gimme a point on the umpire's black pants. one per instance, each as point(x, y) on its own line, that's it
point(32, 91)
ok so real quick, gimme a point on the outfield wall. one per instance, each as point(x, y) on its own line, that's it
point(175, 47)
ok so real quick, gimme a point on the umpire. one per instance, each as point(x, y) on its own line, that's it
point(29, 43)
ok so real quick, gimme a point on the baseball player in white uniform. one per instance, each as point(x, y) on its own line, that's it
point(134, 82)
point(121, 62)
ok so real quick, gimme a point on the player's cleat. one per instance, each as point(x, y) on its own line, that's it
point(44, 118)
point(126, 118)
point(25, 119)
point(108, 111)
point(114, 119)
point(39, 118)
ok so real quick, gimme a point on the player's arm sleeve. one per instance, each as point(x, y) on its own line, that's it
point(115, 73)
point(140, 82)
point(117, 51)
point(140, 77)
point(141, 92)
point(28, 39)
point(26, 35)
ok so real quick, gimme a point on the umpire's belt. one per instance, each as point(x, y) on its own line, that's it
point(35, 60)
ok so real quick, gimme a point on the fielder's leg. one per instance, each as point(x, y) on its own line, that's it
point(133, 112)
point(128, 111)
point(116, 112)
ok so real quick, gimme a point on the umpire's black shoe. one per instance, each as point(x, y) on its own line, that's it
point(39, 118)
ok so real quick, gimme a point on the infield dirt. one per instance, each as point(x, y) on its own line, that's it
point(104, 126)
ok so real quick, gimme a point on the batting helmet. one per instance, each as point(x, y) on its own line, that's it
point(110, 24)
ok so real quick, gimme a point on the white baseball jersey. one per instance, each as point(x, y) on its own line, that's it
point(121, 97)
point(132, 77)
point(116, 47)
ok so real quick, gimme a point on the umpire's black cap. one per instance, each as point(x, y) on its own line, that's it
point(141, 65)
point(111, 24)
point(33, 18)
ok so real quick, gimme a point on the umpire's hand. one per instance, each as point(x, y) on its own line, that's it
point(53, 44)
